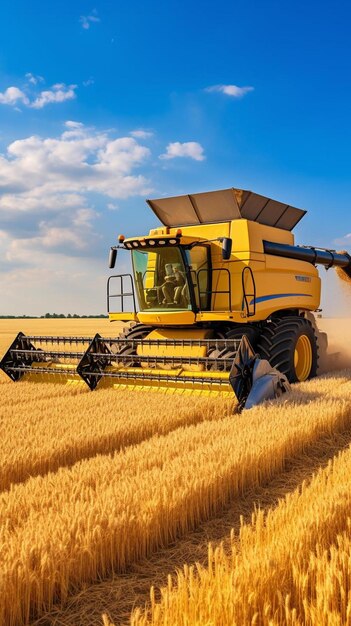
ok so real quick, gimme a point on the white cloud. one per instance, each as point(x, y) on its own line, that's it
point(230, 90)
point(33, 79)
point(73, 124)
point(141, 134)
point(13, 95)
point(87, 20)
point(59, 93)
point(34, 202)
point(51, 233)
point(81, 160)
point(190, 149)
point(88, 82)
point(58, 238)
point(343, 241)
point(83, 217)
point(45, 185)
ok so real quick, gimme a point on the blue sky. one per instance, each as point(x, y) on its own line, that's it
point(105, 103)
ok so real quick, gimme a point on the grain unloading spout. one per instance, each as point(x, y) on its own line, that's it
point(311, 254)
point(344, 272)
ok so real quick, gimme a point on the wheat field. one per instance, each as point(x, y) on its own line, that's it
point(95, 487)
point(290, 566)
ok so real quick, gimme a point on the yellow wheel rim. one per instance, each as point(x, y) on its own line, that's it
point(303, 358)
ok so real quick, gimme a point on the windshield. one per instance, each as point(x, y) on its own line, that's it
point(161, 279)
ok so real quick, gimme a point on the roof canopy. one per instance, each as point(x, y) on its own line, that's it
point(222, 206)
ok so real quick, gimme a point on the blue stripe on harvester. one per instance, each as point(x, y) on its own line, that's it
point(279, 295)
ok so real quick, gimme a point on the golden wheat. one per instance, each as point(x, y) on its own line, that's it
point(119, 594)
point(41, 429)
point(291, 566)
point(103, 513)
point(86, 521)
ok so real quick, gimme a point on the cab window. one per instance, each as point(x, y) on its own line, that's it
point(160, 279)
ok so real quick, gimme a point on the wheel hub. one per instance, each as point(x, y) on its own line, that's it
point(303, 358)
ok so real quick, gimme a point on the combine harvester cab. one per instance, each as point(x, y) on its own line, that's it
point(222, 265)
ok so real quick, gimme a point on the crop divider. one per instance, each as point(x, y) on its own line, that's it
point(19, 357)
point(94, 361)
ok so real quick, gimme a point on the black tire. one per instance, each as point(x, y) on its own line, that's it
point(278, 341)
point(252, 334)
point(137, 331)
point(134, 331)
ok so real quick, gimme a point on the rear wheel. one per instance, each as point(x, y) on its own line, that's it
point(290, 345)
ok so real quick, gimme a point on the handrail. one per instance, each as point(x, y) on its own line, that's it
point(122, 293)
point(216, 291)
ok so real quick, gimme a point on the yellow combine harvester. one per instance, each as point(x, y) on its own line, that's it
point(223, 265)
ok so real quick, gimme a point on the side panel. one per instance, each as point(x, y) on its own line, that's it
point(286, 283)
point(123, 317)
point(280, 283)
point(167, 318)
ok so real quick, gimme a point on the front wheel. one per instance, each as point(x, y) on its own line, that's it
point(224, 352)
point(290, 345)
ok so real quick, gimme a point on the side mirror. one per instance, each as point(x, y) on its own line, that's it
point(112, 258)
point(226, 248)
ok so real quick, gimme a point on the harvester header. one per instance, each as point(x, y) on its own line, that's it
point(221, 269)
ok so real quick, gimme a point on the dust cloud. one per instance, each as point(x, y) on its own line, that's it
point(336, 319)
point(339, 342)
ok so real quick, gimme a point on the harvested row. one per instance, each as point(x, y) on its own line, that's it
point(292, 566)
point(121, 593)
point(38, 436)
point(80, 424)
point(102, 514)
